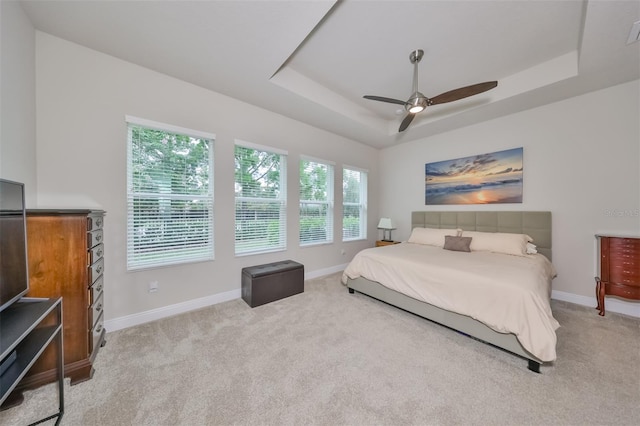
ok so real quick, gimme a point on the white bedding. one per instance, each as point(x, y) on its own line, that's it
point(510, 294)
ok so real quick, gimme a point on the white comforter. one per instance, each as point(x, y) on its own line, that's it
point(508, 293)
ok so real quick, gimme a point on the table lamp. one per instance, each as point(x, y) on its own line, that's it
point(386, 224)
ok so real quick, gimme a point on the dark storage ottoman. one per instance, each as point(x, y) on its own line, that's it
point(272, 281)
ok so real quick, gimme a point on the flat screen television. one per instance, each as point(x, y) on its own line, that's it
point(14, 276)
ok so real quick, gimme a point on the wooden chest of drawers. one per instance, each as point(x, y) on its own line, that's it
point(66, 259)
point(619, 268)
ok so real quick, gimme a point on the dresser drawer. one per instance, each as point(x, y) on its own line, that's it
point(620, 253)
point(95, 310)
point(94, 222)
point(94, 254)
point(624, 242)
point(621, 276)
point(623, 290)
point(94, 238)
point(627, 263)
point(95, 271)
point(96, 333)
point(96, 290)
point(624, 247)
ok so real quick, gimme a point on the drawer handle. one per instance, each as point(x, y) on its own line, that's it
point(99, 222)
point(99, 307)
point(99, 253)
point(98, 328)
point(99, 288)
point(98, 237)
point(99, 270)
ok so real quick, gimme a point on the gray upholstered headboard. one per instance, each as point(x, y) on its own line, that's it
point(535, 224)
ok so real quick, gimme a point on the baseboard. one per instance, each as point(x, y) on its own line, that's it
point(168, 311)
point(190, 305)
point(611, 304)
point(325, 271)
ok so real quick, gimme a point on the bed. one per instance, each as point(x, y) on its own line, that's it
point(519, 320)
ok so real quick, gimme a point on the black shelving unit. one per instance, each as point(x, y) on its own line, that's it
point(24, 335)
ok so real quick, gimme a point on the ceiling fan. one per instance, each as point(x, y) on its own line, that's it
point(418, 102)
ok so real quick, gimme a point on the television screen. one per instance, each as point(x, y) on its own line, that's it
point(14, 277)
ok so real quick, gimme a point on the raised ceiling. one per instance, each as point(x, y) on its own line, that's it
point(314, 60)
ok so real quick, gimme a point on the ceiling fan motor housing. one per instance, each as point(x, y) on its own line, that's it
point(416, 55)
point(417, 103)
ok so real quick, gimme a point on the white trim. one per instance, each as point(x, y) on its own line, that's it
point(611, 305)
point(259, 147)
point(191, 305)
point(169, 311)
point(304, 157)
point(168, 127)
point(354, 168)
point(325, 271)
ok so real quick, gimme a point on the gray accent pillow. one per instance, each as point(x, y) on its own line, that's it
point(457, 243)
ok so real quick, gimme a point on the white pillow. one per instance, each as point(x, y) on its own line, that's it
point(531, 248)
point(498, 242)
point(432, 236)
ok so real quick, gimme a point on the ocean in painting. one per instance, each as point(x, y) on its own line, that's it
point(502, 191)
point(481, 179)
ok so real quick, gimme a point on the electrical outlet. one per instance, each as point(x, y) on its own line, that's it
point(153, 286)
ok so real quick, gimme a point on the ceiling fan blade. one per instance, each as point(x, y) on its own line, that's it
point(463, 92)
point(383, 99)
point(405, 123)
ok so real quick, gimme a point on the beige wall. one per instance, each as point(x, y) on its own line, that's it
point(82, 99)
point(17, 99)
point(581, 162)
point(581, 157)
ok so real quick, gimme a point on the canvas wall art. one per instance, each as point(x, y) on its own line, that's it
point(480, 179)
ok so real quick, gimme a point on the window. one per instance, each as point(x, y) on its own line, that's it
point(169, 195)
point(261, 194)
point(316, 202)
point(354, 204)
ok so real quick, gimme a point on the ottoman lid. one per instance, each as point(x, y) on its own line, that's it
point(271, 268)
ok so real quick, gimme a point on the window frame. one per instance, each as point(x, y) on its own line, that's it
point(205, 249)
point(329, 202)
point(362, 204)
point(281, 200)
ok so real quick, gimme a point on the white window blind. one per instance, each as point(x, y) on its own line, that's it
point(260, 196)
point(316, 202)
point(354, 204)
point(169, 195)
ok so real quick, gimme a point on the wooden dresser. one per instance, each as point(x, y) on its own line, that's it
point(618, 268)
point(65, 254)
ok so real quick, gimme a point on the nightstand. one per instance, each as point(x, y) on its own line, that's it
point(381, 243)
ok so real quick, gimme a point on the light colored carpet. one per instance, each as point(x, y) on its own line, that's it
point(333, 358)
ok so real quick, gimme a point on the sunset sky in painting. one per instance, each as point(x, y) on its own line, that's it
point(476, 169)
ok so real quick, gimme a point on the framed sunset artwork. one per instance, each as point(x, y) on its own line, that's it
point(492, 178)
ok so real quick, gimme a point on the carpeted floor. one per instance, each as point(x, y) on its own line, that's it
point(328, 357)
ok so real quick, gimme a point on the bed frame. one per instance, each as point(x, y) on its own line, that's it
point(536, 224)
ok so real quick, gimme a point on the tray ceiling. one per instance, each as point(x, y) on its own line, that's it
point(314, 60)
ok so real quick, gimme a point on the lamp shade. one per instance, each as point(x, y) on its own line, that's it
point(386, 223)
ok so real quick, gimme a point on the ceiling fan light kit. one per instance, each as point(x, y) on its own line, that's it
point(419, 102)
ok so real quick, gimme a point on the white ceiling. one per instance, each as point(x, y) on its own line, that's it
point(314, 60)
